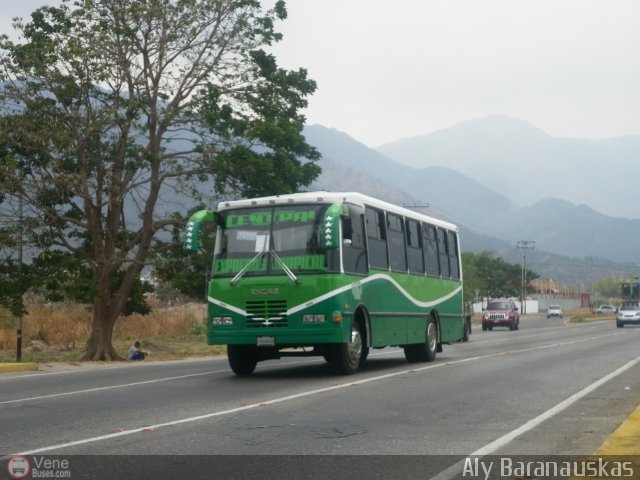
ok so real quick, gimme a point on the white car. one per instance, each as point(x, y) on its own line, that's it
point(555, 311)
point(606, 309)
point(628, 314)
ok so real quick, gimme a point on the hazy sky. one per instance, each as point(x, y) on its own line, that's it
point(389, 70)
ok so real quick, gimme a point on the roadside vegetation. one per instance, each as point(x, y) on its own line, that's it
point(60, 332)
point(119, 118)
point(490, 276)
point(582, 315)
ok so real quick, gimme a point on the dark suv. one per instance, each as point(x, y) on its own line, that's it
point(501, 313)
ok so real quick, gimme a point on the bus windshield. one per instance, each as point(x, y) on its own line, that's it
point(263, 240)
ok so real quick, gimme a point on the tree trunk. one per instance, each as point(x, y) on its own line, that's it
point(100, 347)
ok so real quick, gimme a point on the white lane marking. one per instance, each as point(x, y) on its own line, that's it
point(178, 377)
point(165, 379)
point(92, 369)
point(534, 422)
point(454, 470)
point(98, 389)
point(299, 395)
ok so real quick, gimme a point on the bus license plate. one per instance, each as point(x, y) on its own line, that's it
point(266, 341)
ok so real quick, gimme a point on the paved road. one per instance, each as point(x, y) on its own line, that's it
point(548, 388)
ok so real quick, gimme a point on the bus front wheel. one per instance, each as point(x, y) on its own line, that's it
point(347, 357)
point(242, 359)
point(424, 352)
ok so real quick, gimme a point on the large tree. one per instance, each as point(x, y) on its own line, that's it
point(116, 112)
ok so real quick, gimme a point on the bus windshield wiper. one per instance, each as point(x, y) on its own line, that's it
point(240, 274)
point(287, 270)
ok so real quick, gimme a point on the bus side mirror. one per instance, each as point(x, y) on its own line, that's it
point(330, 230)
point(191, 240)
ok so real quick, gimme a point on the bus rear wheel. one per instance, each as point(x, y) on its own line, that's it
point(347, 357)
point(242, 359)
point(424, 352)
point(467, 329)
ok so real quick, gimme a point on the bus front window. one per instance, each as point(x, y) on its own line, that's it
point(265, 238)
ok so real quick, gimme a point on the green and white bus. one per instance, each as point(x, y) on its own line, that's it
point(330, 274)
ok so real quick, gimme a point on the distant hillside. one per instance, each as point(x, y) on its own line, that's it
point(336, 178)
point(564, 233)
point(525, 164)
point(561, 227)
point(447, 192)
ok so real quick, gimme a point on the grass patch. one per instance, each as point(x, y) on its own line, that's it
point(583, 315)
point(59, 333)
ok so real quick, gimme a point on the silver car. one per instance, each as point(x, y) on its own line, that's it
point(606, 309)
point(555, 311)
point(628, 314)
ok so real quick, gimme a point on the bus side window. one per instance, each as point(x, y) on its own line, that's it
point(397, 245)
point(431, 250)
point(445, 271)
point(414, 247)
point(453, 255)
point(354, 251)
point(376, 238)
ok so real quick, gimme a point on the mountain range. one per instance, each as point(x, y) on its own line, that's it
point(477, 175)
point(525, 164)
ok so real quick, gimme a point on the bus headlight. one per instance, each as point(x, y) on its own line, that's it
point(313, 318)
point(222, 321)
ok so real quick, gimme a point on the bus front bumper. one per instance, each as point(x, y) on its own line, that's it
point(275, 337)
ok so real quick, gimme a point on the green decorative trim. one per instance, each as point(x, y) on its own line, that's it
point(330, 236)
point(191, 240)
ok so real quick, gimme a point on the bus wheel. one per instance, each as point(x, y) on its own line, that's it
point(365, 354)
point(348, 356)
point(327, 357)
point(242, 359)
point(467, 330)
point(424, 352)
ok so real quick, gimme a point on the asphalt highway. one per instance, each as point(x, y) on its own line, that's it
point(547, 389)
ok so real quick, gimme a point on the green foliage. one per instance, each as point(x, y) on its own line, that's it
point(137, 301)
point(198, 329)
point(608, 287)
point(63, 276)
point(15, 281)
point(110, 108)
point(183, 272)
point(492, 277)
point(266, 133)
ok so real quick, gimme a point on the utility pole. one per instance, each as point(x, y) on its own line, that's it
point(525, 245)
point(20, 247)
point(592, 261)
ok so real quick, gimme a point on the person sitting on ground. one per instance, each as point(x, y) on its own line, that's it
point(135, 353)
